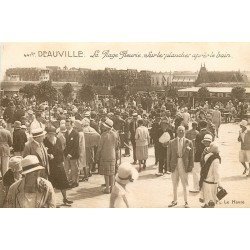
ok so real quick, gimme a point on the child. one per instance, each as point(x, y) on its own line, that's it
point(126, 174)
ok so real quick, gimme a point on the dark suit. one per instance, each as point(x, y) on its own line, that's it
point(199, 146)
point(163, 149)
point(132, 129)
point(72, 144)
point(155, 134)
point(72, 148)
point(33, 148)
point(19, 140)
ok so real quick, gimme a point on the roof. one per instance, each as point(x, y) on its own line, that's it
point(224, 84)
point(212, 89)
point(184, 78)
point(220, 76)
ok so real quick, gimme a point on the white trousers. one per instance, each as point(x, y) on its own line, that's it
point(179, 173)
point(196, 176)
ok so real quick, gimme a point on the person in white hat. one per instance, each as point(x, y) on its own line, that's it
point(198, 165)
point(38, 122)
point(14, 172)
point(210, 177)
point(32, 191)
point(119, 196)
point(36, 147)
point(106, 154)
point(19, 139)
point(92, 138)
point(165, 134)
point(216, 119)
point(244, 139)
point(57, 175)
point(142, 140)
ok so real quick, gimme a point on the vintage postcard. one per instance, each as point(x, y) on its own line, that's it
point(145, 125)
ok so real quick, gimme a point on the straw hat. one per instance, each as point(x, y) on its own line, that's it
point(30, 164)
point(243, 123)
point(108, 123)
point(208, 138)
point(14, 163)
point(37, 132)
point(126, 173)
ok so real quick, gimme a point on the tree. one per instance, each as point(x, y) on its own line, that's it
point(46, 92)
point(203, 93)
point(238, 93)
point(67, 92)
point(120, 92)
point(171, 92)
point(28, 90)
point(86, 93)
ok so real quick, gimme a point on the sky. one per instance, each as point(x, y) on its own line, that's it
point(159, 57)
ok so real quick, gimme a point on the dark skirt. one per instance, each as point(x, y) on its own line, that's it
point(58, 177)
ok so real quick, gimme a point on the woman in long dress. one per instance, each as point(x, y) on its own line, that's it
point(57, 175)
point(210, 178)
point(106, 154)
point(142, 140)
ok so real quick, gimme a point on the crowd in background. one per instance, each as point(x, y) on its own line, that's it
point(44, 147)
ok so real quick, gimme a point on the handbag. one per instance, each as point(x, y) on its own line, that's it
point(164, 138)
point(221, 193)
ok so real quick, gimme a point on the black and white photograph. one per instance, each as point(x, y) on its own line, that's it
point(125, 125)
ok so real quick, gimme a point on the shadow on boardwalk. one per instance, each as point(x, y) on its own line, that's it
point(86, 193)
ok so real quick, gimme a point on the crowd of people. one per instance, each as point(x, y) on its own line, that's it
point(44, 148)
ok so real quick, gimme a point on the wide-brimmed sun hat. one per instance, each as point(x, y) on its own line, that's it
point(30, 164)
point(208, 138)
point(243, 123)
point(126, 173)
point(38, 132)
